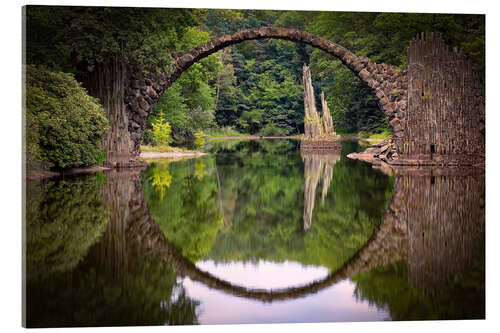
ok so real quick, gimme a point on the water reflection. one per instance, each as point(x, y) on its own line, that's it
point(120, 280)
point(264, 274)
point(63, 219)
point(317, 166)
point(438, 220)
point(211, 240)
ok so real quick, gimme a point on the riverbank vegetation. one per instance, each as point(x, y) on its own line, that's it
point(64, 125)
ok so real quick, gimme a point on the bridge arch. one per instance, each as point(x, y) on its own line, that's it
point(388, 84)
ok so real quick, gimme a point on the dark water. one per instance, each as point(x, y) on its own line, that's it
point(255, 232)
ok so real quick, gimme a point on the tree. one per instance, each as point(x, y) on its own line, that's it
point(161, 131)
point(189, 104)
point(199, 139)
point(81, 38)
point(65, 125)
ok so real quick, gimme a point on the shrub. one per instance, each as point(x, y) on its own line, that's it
point(161, 131)
point(199, 139)
point(271, 129)
point(64, 125)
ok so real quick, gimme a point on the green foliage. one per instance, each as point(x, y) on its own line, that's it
point(225, 131)
point(383, 37)
point(187, 211)
point(80, 38)
point(199, 139)
point(259, 87)
point(249, 206)
point(92, 295)
point(100, 157)
point(65, 125)
point(161, 131)
point(63, 219)
point(389, 287)
point(189, 104)
point(382, 135)
point(262, 197)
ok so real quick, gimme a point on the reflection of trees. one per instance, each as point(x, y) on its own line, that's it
point(121, 281)
point(188, 212)
point(443, 276)
point(160, 180)
point(262, 195)
point(90, 297)
point(63, 219)
point(461, 297)
point(316, 167)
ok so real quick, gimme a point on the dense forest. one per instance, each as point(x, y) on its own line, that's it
point(253, 87)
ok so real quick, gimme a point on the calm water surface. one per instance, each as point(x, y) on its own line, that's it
point(255, 232)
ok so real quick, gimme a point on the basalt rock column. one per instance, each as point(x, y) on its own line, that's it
point(107, 83)
point(327, 118)
point(444, 123)
point(312, 121)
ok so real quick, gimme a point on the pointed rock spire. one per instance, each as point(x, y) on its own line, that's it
point(312, 122)
point(329, 131)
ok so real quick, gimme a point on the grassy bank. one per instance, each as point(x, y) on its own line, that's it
point(382, 135)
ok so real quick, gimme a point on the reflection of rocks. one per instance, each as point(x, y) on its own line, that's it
point(119, 281)
point(435, 220)
point(122, 193)
point(445, 216)
point(440, 271)
point(316, 167)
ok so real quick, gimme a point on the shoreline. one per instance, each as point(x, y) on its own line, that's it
point(45, 174)
point(252, 137)
point(151, 155)
point(173, 155)
point(295, 137)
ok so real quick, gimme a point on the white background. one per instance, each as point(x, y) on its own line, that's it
point(11, 178)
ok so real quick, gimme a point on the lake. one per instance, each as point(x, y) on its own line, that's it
point(255, 232)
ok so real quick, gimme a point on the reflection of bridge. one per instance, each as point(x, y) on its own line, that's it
point(437, 229)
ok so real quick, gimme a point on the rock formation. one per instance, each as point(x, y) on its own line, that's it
point(328, 128)
point(313, 127)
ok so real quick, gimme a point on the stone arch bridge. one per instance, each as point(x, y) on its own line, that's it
point(428, 117)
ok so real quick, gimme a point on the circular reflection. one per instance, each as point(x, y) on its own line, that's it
point(264, 274)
